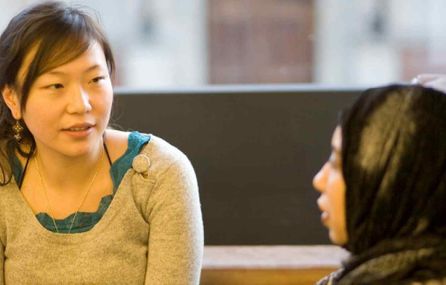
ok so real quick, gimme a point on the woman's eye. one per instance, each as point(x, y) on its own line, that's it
point(55, 86)
point(334, 161)
point(98, 79)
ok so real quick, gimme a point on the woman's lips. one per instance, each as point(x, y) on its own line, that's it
point(79, 131)
point(324, 217)
point(79, 127)
point(324, 213)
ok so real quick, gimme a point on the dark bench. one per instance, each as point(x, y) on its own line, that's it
point(255, 150)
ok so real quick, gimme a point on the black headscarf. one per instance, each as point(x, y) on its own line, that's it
point(394, 166)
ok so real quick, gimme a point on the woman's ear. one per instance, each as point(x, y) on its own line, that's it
point(11, 99)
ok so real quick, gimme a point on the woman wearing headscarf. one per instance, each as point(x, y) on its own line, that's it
point(383, 190)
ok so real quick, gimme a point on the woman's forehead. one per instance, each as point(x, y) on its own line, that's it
point(93, 50)
point(91, 59)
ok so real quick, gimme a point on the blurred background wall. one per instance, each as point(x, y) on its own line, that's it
point(175, 43)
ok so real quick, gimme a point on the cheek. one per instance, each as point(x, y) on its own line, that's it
point(103, 102)
point(338, 195)
point(337, 201)
point(335, 192)
point(41, 125)
point(108, 96)
point(103, 105)
point(38, 116)
point(108, 103)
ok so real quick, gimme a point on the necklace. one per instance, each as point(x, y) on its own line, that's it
point(48, 206)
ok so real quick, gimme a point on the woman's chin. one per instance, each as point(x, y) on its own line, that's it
point(337, 238)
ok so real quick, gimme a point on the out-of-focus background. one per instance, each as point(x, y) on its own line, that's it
point(177, 43)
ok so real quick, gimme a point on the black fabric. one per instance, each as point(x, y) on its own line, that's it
point(394, 166)
point(401, 261)
point(107, 153)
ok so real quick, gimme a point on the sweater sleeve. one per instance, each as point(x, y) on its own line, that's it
point(175, 246)
point(2, 238)
point(2, 263)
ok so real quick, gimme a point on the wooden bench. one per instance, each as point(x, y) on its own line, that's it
point(275, 265)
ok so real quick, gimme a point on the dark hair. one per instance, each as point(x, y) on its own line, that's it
point(55, 34)
point(394, 165)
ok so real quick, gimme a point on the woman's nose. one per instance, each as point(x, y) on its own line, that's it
point(319, 179)
point(79, 101)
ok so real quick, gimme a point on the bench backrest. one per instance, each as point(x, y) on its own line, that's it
point(254, 149)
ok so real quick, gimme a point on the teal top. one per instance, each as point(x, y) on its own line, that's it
point(85, 221)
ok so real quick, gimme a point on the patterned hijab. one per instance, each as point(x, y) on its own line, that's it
point(394, 166)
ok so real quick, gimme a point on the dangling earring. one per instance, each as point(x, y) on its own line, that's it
point(17, 129)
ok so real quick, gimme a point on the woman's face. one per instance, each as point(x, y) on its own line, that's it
point(69, 107)
point(329, 181)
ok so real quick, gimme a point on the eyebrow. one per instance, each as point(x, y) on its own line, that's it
point(93, 67)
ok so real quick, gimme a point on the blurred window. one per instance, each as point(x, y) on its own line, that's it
point(177, 43)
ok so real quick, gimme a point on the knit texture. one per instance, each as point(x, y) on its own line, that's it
point(152, 233)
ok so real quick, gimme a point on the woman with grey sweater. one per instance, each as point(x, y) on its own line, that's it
point(81, 203)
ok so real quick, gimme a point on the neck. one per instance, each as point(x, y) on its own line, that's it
point(65, 173)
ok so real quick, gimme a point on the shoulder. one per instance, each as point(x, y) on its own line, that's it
point(163, 175)
point(11, 207)
point(7, 196)
point(117, 142)
point(161, 149)
point(163, 156)
point(157, 149)
point(4, 163)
